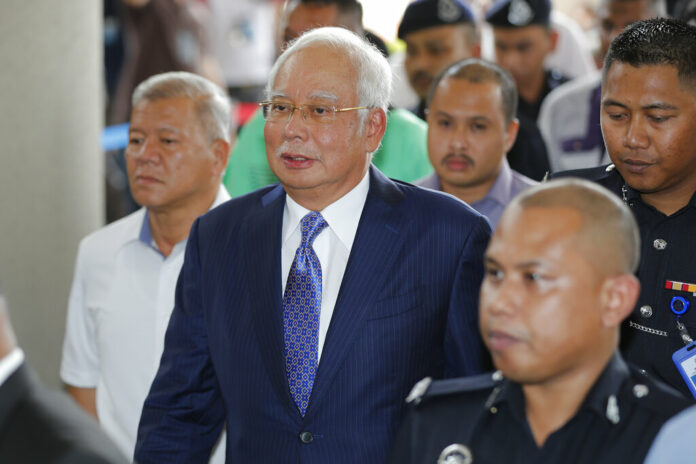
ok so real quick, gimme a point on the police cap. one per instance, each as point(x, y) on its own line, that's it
point(519, 13)
point(423, 14)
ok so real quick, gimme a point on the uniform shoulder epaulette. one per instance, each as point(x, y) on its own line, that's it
point(656, 396)
point(594, 174)
point(427, 388)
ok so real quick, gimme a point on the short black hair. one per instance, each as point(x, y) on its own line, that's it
point(654, 42)
point(478, 70)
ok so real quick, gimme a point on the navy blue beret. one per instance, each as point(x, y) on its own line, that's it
point(519, 13)
point(423, 14)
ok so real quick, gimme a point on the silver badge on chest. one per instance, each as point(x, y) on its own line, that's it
point(455, 454)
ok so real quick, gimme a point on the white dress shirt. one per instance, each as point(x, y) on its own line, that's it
point(10, 363)
point(120, 303)
point(332, 246)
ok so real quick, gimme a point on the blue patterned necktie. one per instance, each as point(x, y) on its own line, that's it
point(301, 310)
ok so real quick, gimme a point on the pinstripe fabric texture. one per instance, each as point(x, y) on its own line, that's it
point(301, 311)
point(407, 308)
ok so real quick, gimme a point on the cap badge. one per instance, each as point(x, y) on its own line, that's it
point(447, 10)
point(520, 13)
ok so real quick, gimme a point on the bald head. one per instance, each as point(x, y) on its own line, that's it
point(608, 234)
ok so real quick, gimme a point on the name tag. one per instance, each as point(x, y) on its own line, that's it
point(685, 360)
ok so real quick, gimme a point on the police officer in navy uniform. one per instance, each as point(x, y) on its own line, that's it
point(437, 33)
point(558, 283)
point(523, 38)
point(648, 120)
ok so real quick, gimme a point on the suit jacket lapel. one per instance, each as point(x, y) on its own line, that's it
point(375, 249)
point(262, 234)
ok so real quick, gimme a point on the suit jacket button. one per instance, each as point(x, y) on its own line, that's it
point(306, 437)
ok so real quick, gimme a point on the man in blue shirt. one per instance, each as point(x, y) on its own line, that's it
point(471, 126)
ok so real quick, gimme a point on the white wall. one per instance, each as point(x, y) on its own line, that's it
point(51, 167)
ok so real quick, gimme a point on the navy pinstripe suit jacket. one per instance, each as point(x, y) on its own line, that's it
point(407, 308)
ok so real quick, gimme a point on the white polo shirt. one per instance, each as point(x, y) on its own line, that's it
point(120, 303)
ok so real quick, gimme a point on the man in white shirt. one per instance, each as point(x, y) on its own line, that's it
point(125, 275)
point(305, 311)
point(40, 425)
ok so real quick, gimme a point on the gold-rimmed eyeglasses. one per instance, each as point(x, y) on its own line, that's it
point(275, 111)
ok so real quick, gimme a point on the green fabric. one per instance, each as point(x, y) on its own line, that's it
point(402, 155)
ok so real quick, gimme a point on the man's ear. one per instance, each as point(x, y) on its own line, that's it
point(221, 152)
point(553, 39)
point(375, 126)
point(618, 298)
point(511, 134)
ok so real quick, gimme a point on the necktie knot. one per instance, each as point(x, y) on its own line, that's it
point(311, 225)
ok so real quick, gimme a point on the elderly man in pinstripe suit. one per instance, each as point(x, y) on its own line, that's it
point(305, 311)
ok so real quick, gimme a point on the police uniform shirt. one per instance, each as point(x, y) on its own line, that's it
point(483, 420)
point(668, 255)
point(552, 79)
point(528, 154)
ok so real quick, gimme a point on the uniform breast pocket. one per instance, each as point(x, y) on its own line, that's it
point(395, 305)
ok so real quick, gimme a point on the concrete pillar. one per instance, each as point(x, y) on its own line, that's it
point(51, 166)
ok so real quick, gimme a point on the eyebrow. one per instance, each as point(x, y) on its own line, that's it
point(652, 106)
point(157, 130)
point(487, 260)
point(312, 96)
point(443, 113)
point(475, 118)
point(276, 94)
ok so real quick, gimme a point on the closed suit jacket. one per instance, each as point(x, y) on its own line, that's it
point(41, 426)
point(406, 309)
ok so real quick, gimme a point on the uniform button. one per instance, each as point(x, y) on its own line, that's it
point(646, 311)
point(306, 437)
point(659, 244)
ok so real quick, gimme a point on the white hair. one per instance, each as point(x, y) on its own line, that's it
point(210, 102)
point(374, 76)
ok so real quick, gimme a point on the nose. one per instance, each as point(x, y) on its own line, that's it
point(636, 136)
point(500, 298)
point(145, 152)
point(508, 60)
point(295, 126)
point(459, 140)
point(419, 61)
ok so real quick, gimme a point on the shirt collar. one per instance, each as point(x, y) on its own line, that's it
point(145, 234)
point(10, 363)
point(342, 216)
point(630, 195)
point(607, 384)
point(500, 191)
